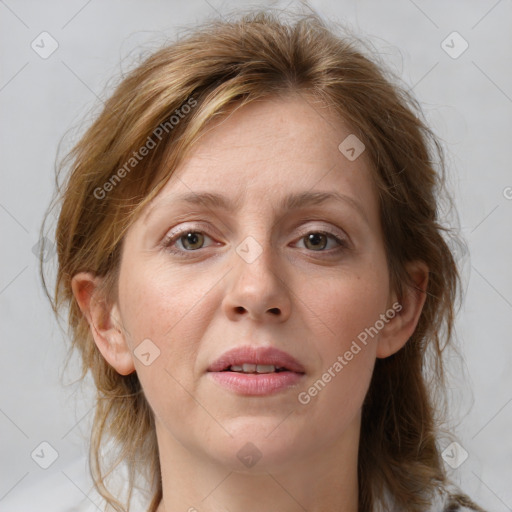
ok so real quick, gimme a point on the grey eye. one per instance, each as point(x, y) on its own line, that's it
point(192, 240)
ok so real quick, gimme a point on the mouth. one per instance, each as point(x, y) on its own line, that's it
point(256, 368)
point(251, 359)
point(256, 371)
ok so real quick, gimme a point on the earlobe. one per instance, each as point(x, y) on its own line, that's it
point(401, 327)
point(104, 323)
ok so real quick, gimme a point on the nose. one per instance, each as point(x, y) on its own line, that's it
point(257, 290)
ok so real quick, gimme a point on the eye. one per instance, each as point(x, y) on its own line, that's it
point(318, 240)
point(192, 239)
point(188, 240)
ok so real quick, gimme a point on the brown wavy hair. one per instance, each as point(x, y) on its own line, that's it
point(222, 65)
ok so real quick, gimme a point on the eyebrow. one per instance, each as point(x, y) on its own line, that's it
point(290, 202)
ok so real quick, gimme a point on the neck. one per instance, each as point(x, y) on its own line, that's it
point(325, 479)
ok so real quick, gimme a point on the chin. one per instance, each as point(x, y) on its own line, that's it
point(258, 445)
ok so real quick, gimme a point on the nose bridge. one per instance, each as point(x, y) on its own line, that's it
point(257, 288)
point(254, 260)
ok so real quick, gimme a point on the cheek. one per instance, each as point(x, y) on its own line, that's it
point(171, 309)
point(343, 307)
point(343, 312)
point(157, 302)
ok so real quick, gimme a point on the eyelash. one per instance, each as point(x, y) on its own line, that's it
point(169, 240)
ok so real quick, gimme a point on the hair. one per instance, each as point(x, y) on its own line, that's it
point(215, 68)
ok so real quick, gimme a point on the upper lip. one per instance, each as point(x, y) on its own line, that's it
point(256, 355)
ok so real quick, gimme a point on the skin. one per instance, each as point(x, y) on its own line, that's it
point(309, 300)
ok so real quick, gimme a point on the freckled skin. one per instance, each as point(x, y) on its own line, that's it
point(196, 306)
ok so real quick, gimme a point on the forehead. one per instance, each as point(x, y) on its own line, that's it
point(273, 148)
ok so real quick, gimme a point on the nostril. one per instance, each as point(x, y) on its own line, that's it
point(239, 309)
point(275, 311)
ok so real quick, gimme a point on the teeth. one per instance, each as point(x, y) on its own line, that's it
point(265, 368)
point(253, 368)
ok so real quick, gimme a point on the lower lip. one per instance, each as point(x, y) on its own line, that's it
point(256, 384)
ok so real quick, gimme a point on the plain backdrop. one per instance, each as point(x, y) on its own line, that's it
point(466, 94)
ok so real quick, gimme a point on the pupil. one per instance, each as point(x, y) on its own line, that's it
point(315, 238)
point(192, 238)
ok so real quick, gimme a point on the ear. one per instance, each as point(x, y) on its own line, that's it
point(104, 322)
point(401, 327)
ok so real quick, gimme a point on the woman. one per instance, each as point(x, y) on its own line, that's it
point(256, 275)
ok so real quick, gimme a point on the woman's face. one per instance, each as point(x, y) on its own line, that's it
point(261, 267)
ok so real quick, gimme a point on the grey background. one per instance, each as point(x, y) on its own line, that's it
point(467, 100)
